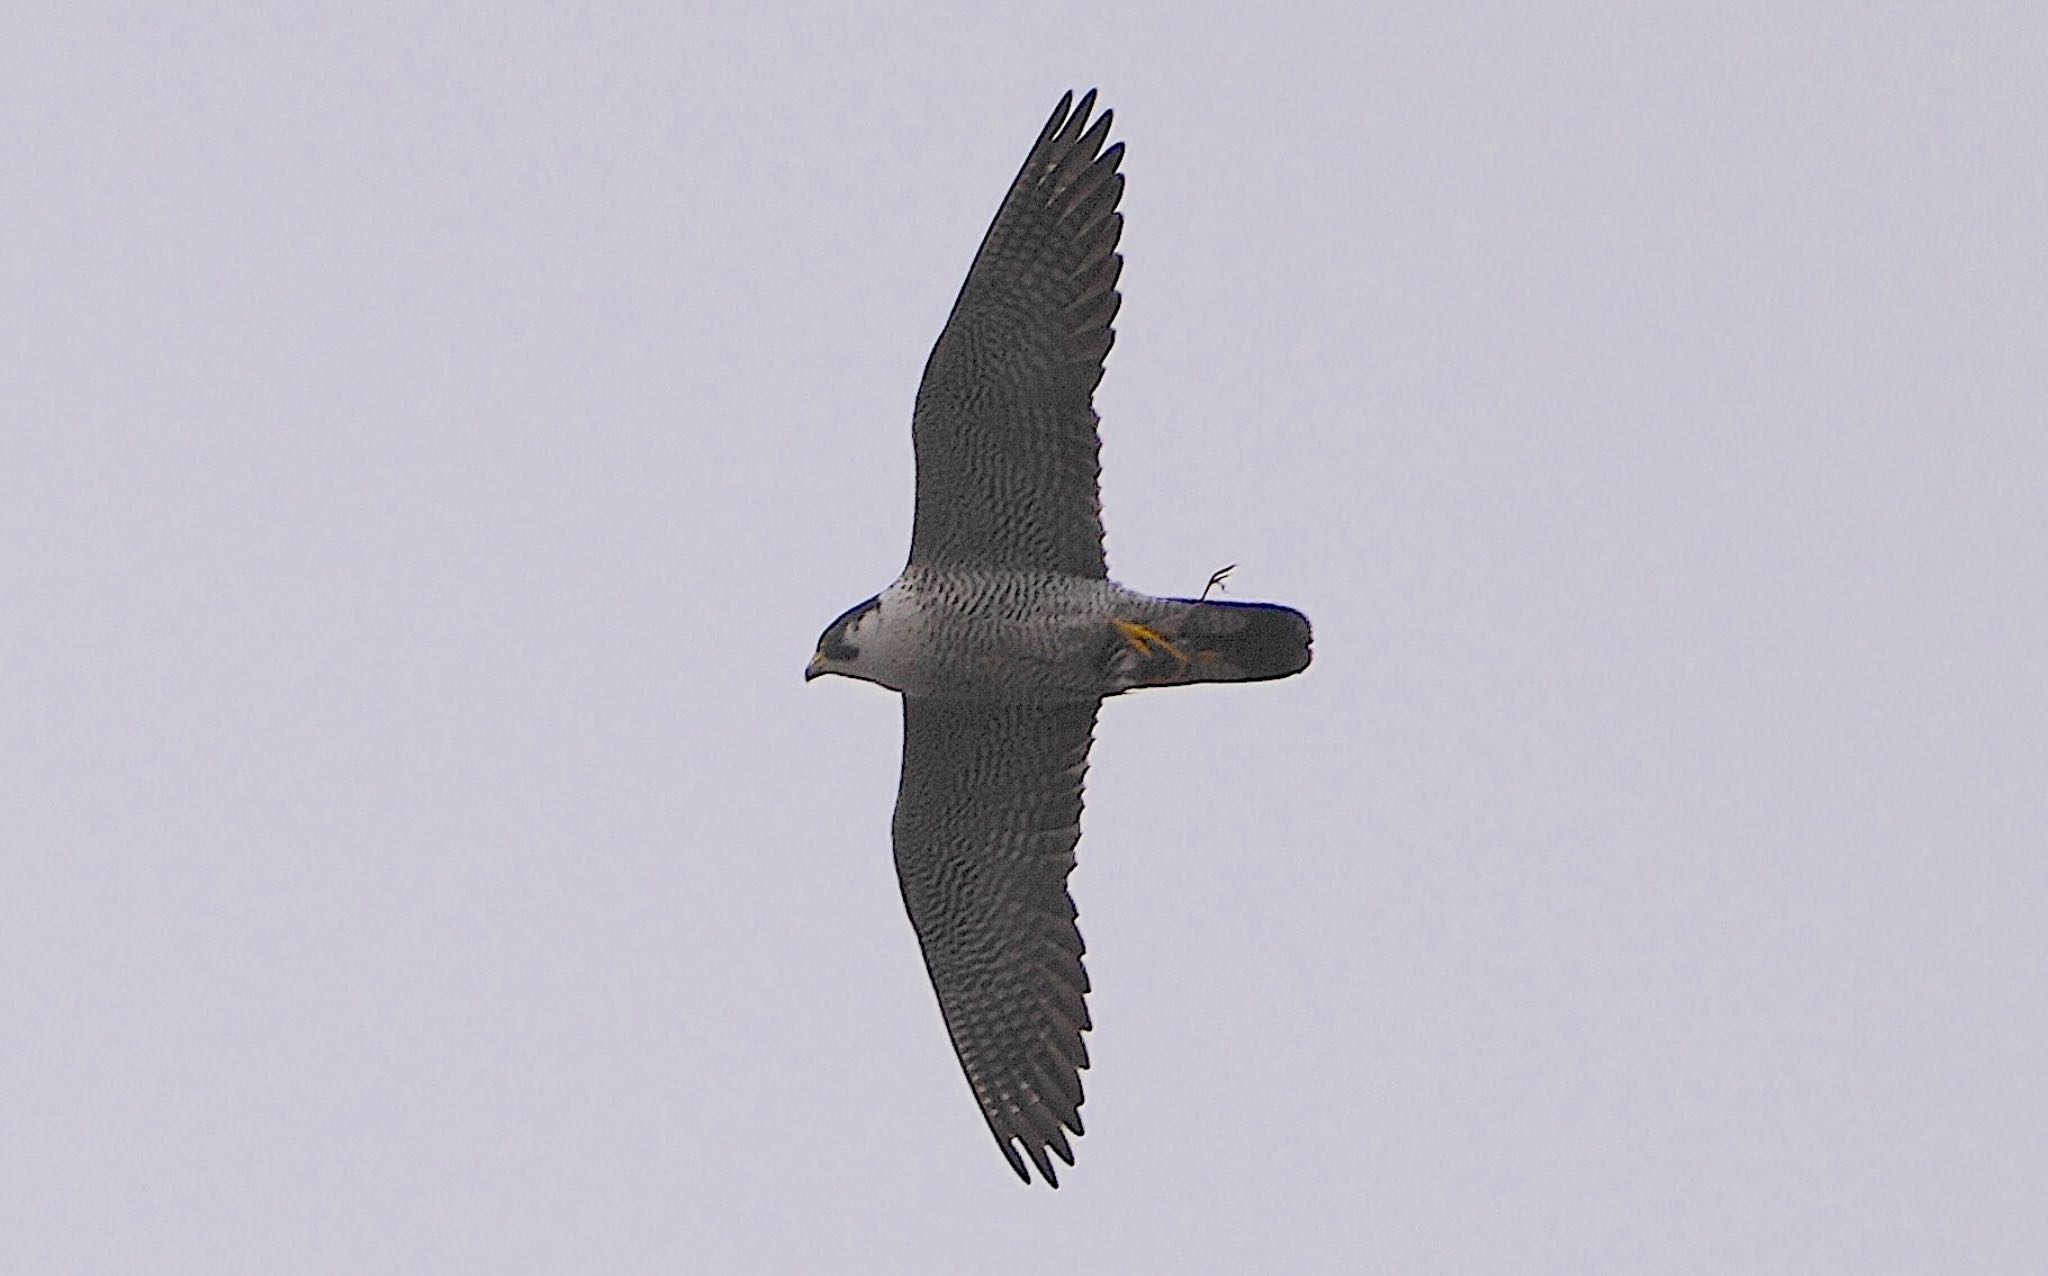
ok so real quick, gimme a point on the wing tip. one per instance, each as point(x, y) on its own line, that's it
point(1048, 1173)
point(1057, 119)
point(1070, 120)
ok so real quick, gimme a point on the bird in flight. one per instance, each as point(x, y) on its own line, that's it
point(1004, 634)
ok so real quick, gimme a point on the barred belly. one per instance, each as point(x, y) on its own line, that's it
point(1032, 637)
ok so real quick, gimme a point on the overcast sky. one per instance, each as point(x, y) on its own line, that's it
point(431, 444)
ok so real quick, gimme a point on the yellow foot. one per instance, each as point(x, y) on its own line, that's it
point(1145, 640)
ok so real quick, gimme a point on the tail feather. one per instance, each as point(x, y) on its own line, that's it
point(1230, 642)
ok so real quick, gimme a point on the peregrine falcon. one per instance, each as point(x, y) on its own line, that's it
point(1004, 633)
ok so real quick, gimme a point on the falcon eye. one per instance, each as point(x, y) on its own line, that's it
point(834, 644)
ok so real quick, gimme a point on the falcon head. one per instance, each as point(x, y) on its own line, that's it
point(839, 646)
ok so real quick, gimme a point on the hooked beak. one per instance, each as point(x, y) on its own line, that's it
point(816, 667)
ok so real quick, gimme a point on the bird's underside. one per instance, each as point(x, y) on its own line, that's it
point(1004, 634)
point(989, 808)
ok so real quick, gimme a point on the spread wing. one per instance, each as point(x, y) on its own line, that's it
point(1005, 427)
point(987, 818)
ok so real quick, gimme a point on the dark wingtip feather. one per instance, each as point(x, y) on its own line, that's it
point(1010, 1154)
point(1057, 118)
point(1070, 130)
point(1036, 1151)
point(1092, 140)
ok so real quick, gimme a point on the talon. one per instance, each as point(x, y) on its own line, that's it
point(1216, 582)
point(1145, 640)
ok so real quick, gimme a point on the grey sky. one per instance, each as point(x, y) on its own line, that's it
point(430, 444)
